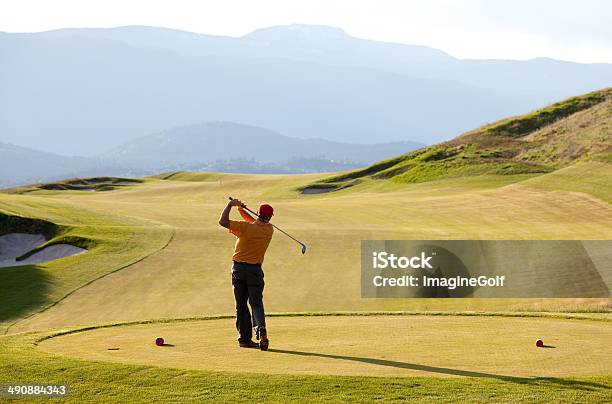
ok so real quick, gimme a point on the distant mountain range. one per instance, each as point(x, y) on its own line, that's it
point(20, 165)
point(213, 146)
point(85, 91)
point(216, 141)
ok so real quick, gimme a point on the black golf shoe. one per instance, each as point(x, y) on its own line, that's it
point(249, 344)
point(262, 336)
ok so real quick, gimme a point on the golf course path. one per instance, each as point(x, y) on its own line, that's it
point(373, 345)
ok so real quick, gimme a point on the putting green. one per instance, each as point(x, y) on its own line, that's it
point(376, 345)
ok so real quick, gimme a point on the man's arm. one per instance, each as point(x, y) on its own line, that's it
point(224, 218)
point(245, 215)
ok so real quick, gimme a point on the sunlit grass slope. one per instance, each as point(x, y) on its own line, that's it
point(593, 178)
point(113, 242)
point(191, 275)
point(543, 175)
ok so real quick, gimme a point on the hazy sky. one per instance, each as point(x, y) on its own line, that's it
point(577, 30)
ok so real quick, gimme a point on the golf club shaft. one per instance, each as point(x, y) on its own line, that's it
point(276, 227)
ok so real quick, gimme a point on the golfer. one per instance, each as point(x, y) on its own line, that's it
point(254, 236)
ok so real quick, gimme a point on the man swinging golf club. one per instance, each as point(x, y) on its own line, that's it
point(254, 236)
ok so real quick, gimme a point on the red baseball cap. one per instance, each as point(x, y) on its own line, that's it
point(266, 210)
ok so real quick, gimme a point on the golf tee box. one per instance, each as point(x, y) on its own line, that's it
point(486, 268)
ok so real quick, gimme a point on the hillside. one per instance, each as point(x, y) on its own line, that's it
point(20, 164)
point(576, 129)
point(219, 141)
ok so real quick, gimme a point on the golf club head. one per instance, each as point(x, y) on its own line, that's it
point(303, 248)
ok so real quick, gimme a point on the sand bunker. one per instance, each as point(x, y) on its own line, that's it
point(324, 188)
point(310, 191)
point(15, 245)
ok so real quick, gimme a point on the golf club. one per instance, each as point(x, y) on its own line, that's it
point(276, 227)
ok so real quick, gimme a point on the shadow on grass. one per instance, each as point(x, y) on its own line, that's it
point(22, 289)
point(541, 381)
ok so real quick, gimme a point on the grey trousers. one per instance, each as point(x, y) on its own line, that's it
point(248, 283)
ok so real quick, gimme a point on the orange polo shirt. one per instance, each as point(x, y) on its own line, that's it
point(253, 240)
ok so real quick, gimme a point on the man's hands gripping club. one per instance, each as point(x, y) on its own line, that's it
point(224, 219)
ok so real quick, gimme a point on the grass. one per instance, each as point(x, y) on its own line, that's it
point(193, 267)
point(587, 135)
point(528, 123)
point(19, 224)
point(114, 242)
point(189, 176)
point(603, 158)
point(592, 178)
point(129, 276)
point(22, 362)
point(411, 340)
point(99, 381)
point(96, 184)
point(437, 171)
point(92, 381)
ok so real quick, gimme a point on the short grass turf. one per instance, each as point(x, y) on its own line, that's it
point(592, 178)
point(190, 277)
point(373, 345)
point(114, 242)
point(22, 361)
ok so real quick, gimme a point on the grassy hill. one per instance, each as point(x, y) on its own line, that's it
point(545, 175)
point(137, 269)
point(193, 267)
point(113, 242)
point(554, 137)
point(156, 253)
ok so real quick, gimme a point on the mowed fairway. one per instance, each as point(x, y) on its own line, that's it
point(161, 256)
point(190, 277)
point(409, 345)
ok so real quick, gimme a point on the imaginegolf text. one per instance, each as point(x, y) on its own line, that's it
point(449, 283)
